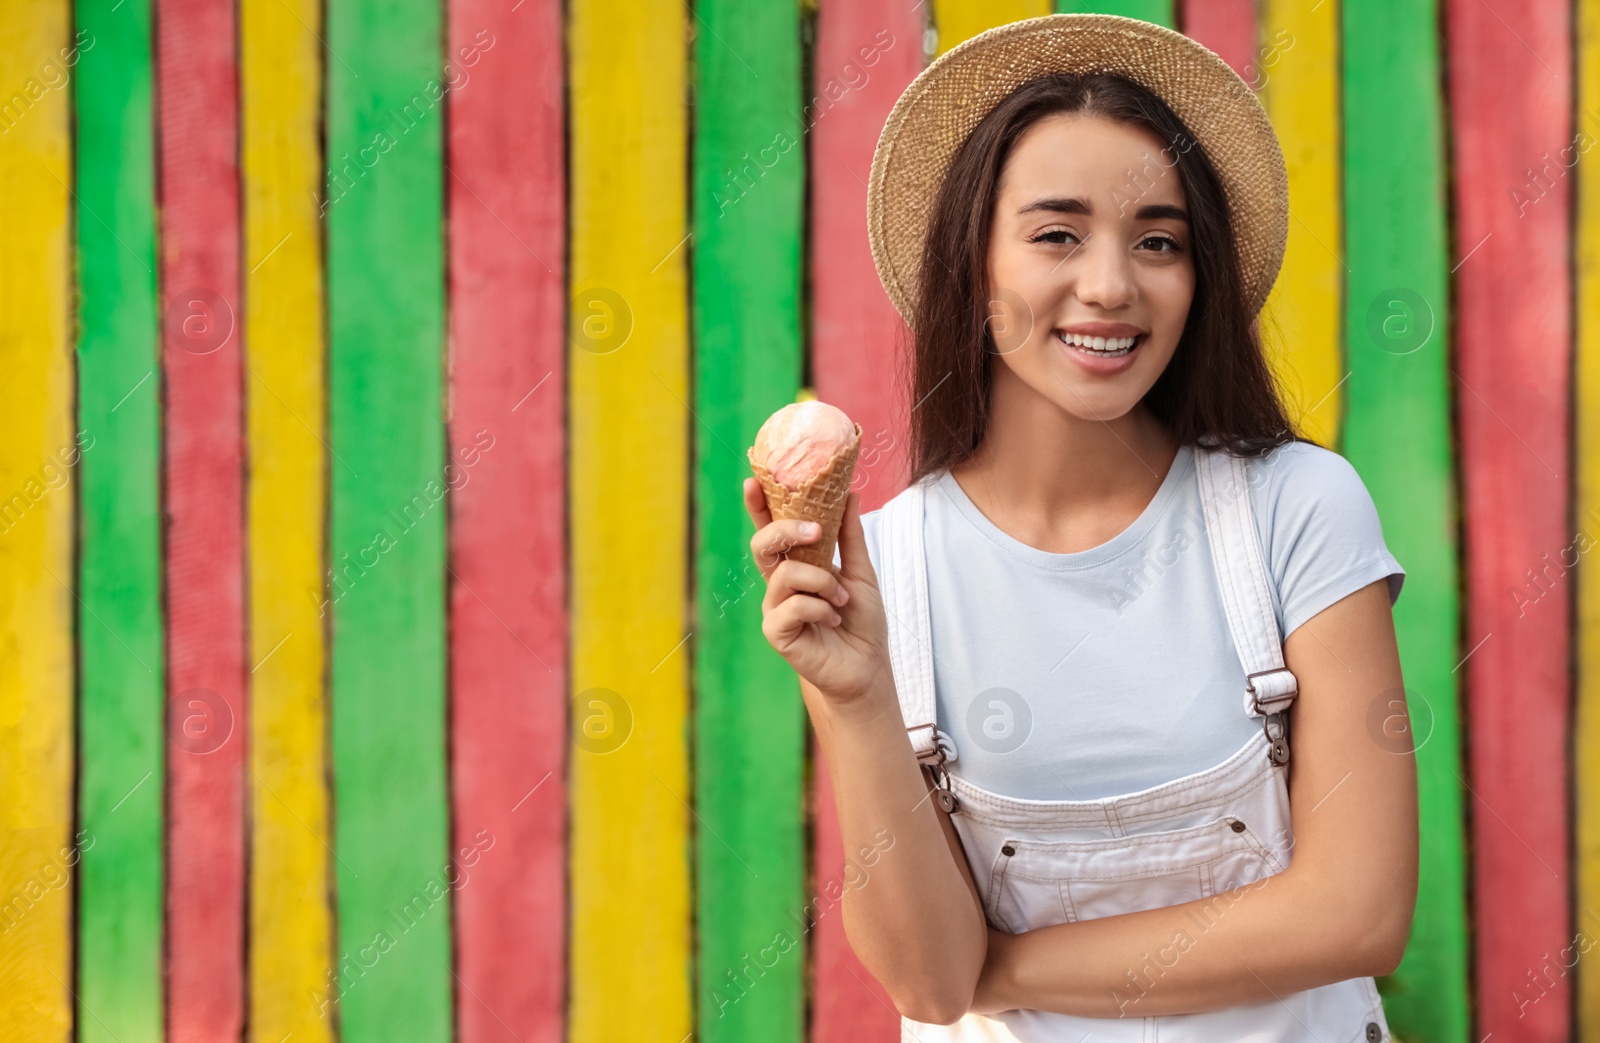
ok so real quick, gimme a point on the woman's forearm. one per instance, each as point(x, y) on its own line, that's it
point(1282, 934)
point(916, 924)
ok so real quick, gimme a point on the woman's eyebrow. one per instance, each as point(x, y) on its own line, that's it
point(1154, 211)
point(1074, 205)
point(1078, 205)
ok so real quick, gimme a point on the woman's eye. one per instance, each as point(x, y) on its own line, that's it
point(1054, 236)
point(1168, 240)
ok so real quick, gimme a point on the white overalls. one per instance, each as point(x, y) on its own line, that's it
point(1042, 862)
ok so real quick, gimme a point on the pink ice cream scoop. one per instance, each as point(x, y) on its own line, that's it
point(800, 439)
point(804, 458)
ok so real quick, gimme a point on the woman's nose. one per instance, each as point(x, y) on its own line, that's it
point(1103, 275)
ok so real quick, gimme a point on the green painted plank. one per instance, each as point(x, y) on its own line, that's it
point(121, 778)
point(1157, 11)
point(749, 193)
point(1398, 436)
point(385, 118)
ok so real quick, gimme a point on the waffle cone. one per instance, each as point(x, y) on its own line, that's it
point(821, 499)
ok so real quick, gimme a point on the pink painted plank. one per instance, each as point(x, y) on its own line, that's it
point(855, 350)
point(1228, 27)
point(202, 348)
point(1510, 81)
point(507, 548)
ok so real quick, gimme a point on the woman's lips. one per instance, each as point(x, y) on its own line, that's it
point(1098, 362)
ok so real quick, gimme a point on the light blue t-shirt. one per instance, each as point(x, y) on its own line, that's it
point(1102, 672)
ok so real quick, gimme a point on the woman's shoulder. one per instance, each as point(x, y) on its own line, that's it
point(1319, 528)
point(1302, 463)
point(1299, 481)
point(1300, 478)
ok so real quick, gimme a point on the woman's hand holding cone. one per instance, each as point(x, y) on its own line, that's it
point(828, 623)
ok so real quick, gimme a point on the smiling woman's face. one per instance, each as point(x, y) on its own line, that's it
point(1083, 241)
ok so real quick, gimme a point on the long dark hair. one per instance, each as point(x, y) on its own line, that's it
point(1217, 390)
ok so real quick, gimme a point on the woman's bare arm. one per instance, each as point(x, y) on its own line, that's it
point(916, 924)
point(1342, 909)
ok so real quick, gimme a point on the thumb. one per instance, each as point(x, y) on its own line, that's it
point(853, 558)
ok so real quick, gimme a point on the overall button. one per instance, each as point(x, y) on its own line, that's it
point(1008, 850)
point(1238, 827)
point(1374, 1033)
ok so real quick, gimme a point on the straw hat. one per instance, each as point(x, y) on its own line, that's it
point(948, 98)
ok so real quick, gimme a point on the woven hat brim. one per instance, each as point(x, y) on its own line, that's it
point(952, 95)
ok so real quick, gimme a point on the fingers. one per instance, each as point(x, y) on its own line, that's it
point(782, 624)
point(755, 502)
point(798, 577)
point(771, 541)
point(775, 539)
point(853, 557)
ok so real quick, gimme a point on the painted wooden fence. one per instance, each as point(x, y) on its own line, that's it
point(379, 652)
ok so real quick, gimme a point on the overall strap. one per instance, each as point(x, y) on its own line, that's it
point(1246, 587)
point(903, 582)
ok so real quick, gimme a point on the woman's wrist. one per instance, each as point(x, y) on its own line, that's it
point(856, 726)
point(869, 707)
point(990, 995)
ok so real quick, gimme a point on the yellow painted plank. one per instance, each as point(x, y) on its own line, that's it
point(36, 519)
point(958, 20)
point(629, 422)
point(1298, 76)
point(290, 923)
point(1586, 453)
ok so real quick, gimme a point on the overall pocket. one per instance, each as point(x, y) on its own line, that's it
point(1039, 883)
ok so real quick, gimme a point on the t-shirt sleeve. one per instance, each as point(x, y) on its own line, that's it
point(1320, 532)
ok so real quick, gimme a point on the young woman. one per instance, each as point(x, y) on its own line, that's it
point(1117, 670)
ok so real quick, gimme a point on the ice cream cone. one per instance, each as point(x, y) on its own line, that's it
point(820, 499)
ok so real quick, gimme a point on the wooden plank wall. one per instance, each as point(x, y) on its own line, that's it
point(121, 643)
point(1510, 110)
point(363, 358)
point(1229, 28)
point(202, 350)
point(506, 194)
point(748, 202)
point(865, 55)
point(38, 853)
point(630, 425)
point(1586, 499)
point(1398, 433)
point(290, 919)
point(1295, 71)
point(1161, 12)
point(388, 501)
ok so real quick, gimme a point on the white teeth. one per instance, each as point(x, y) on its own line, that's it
point(1103, 345)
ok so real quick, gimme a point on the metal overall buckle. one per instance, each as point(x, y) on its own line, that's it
point(933, 762)
point(1277, 745)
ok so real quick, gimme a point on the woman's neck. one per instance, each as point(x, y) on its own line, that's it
point(1062, 483)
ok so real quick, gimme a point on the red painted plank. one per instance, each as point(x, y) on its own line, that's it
point(1229, 28)
point(509, 671)
point(1510, 79)
point(202, 347)
point(855, 351)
